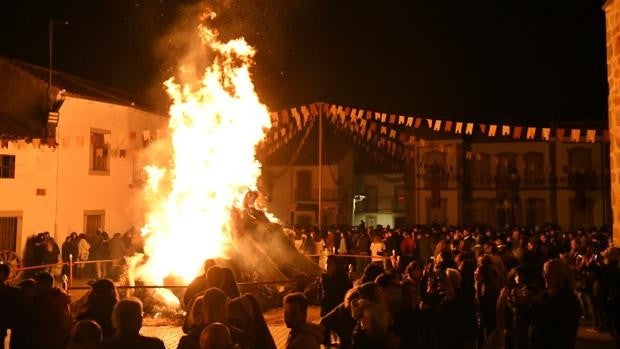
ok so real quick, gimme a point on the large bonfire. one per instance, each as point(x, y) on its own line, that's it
point(215, 125)
point(198, 205)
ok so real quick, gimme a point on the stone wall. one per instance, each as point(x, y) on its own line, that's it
point(612, 15)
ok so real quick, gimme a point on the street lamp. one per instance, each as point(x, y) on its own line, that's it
point(356, 199)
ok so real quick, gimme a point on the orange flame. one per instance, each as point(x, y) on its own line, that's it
point(215, 125)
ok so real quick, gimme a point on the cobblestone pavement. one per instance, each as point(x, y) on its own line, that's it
point(274, 318)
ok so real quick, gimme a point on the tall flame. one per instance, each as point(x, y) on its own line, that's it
point(215, 125)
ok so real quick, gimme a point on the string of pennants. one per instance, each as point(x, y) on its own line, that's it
point(114, 143)
point(391, 132)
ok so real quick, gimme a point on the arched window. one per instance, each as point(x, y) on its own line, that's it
point(480, 170)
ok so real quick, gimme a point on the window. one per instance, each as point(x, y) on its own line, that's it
point(534, 211)
point(7, 166)
point(99, 152)
point(371, 203)
point(481, 170)
point(400, 198)
point(506, 162)
point(304, 185)
point(580, 159)
point(94, 220)
point(8, 233)
point(534, 175)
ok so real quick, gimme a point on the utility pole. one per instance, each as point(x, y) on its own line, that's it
point(50, 33)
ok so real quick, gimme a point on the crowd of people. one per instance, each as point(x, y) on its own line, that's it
point(423, 287)
point(449, 287)
point(85, 249)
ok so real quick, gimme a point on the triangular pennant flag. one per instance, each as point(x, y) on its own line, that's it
point(383, 130)
point(36, 143)
point(284, 114)
point(546, 133)
point(559, 134)
point(418, 122)
point(590, 136)
point(531, 133)
point(483, 128)
point(505, 130)
point(99, 152)
point(314, 111)
point(429, 122)
point(377, 115)
point(392, 133)
point(468, 155)
point(333, 110)
point(107, 138)
point(469, 128)
point(458, 129)
point(492, 130)
point(297, 117)
point(517, 133)
point(575, 135)
point(122, 153)
point(448, 126)
point(4, 143)
point(409, 121)
point(401, 120)
point(392, 118)
point(437, 126)
point(383, 117)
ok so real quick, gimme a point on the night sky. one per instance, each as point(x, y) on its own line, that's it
point(530, 61)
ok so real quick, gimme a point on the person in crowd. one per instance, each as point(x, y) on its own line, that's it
point(487, 286)
point(245, 314)
point(85, 334)
point(408, 321)
point(117, 250)
point(69, 250)
point(193, 318)
point(341, 320)
point(377, 250)
point(8, 299)
point(100, 304)
point(83, 255)
point(213, 308)
point(23, 325)
point(303, 335)
point(556, 311)
point(362, 247)
point(372, 329)
point(216, 336)
point(333, 285)
point(370, 274)
point(230, 284)
point(127, 321)
point(198, 285)
point(52, 314)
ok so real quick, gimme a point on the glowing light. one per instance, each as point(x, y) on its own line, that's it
point(215, 125)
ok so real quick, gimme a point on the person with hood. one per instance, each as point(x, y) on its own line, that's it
point(245, 314)
point(333, 285)
point(341, 321)
point(198, 285)
point(86, 334)
point(52, 314)
point(303, 335)
point(99, 305)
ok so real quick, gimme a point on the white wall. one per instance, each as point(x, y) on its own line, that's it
point(65, 171)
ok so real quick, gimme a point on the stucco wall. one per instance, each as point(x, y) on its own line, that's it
point(612, 15)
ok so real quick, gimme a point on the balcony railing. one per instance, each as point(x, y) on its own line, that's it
point(313, 194)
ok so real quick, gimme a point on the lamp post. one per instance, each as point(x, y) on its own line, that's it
point(356, 199)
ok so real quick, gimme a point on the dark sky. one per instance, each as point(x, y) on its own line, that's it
point(534, 61)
